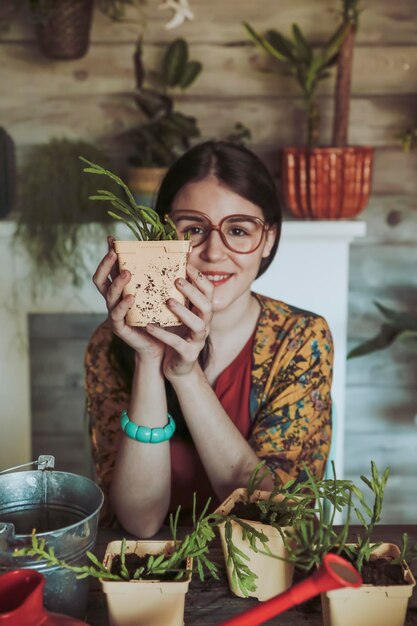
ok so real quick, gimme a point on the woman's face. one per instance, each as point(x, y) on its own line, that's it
point(231, 273)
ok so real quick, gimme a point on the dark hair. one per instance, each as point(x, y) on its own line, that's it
point(237, 168)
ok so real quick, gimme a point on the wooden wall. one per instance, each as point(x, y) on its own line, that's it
point(90, 99)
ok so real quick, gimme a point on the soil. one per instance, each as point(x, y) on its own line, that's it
point(247, 510)
point(250, 511)
point(134, 561)
point(381, 572)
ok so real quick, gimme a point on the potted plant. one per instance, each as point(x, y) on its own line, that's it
point(55, 219)
point(145, 582)
point(259, 525)
point(155, 260)
point(63, 26)
point(164, 132)
point(322, 182)
point(387, 580)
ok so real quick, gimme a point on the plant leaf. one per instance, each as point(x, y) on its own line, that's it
point(174, 62)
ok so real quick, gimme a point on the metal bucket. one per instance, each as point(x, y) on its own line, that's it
point(63, 508)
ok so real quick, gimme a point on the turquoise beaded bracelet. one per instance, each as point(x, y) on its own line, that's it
point(145, 434)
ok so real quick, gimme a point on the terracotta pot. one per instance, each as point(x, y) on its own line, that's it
point(144, 183)
point(273, 575)
point(63, 28)
point(369, 605)
point(326, 183)
point(144, 602)
point(21, 602)
point(154, 265)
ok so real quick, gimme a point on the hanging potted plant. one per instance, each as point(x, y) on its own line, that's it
point(322, 182)
point(387, 580)
point(145, 582)
point(55, 220)
point(165, 133)
point(155, 260)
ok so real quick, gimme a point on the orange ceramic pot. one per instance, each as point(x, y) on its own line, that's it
point(326, 183)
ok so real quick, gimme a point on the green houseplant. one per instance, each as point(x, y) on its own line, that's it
point(387, 580)
point(55, 218)
point(322, 182)
point(258, 524)
point(163, 133)
point(155, 260)
point(145, 582)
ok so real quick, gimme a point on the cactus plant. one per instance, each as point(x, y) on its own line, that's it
point(165, 132)
point(7, 173)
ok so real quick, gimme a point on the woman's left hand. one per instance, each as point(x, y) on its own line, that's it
point(185, 344)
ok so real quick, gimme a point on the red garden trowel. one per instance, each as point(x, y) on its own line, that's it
point(333, 573)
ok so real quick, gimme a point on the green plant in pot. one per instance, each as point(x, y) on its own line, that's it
point(155, 259)
point(322, 182)
point(145, 582)
point(56, 223)
point(164, 133)
point(258, 525)
point(387, 580)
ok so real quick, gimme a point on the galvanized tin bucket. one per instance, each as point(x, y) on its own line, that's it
point(63, 508)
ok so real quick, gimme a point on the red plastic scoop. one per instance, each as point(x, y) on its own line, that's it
point(333, 573)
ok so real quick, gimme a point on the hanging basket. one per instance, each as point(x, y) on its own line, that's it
point(63, 28)
point(326, 183)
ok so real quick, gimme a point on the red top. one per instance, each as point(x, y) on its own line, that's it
point(232, 388)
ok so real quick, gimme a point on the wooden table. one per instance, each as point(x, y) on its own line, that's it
point(211, 602)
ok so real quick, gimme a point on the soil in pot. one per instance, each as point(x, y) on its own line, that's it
point(251, 511)
point(134, 561)
point(381, 572)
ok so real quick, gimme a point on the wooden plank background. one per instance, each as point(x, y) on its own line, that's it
point(91, 99)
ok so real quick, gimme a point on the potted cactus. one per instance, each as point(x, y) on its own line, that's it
point(165, 133)
point(322, 182)
point(155, 259)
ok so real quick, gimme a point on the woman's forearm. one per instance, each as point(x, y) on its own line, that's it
point(226, 455)
point(141, 484)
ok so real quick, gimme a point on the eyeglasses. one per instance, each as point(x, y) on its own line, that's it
point(239, 233)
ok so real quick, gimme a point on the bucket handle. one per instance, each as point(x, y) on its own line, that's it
point(44, 462)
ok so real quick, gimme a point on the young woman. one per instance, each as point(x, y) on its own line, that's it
point(245, 377)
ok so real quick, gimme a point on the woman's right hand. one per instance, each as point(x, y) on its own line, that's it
point(110, 284)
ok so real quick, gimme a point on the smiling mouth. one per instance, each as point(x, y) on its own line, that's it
point(218, 279)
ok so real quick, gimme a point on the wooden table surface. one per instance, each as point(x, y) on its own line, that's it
point(211, 602)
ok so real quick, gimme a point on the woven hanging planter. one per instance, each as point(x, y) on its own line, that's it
point(326, 183)
point(63, 28)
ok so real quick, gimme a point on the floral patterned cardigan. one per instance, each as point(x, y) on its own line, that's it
point(290, 402)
